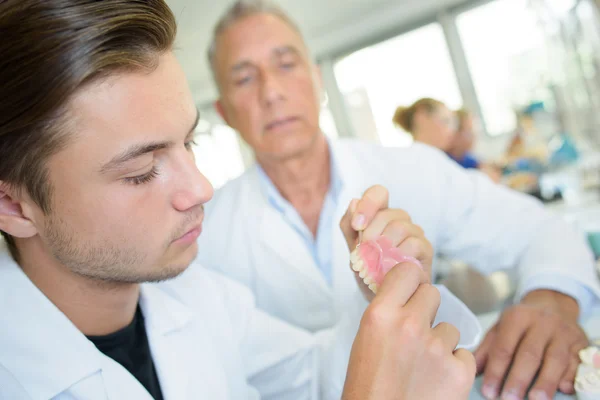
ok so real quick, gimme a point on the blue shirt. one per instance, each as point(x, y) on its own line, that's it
point(321, 246)
point(468, 161)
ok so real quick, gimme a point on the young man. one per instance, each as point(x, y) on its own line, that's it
point(275, 226)
point(101, 201)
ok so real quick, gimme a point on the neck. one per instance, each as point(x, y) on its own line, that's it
point(96, 308)
point(421, 137)
point(303, 180)
point(456, 154)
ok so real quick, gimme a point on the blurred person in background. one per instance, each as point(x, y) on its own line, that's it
point(274, 229)
point(428, 121)
point(462, 146)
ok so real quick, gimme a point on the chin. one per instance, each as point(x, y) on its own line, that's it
point(174, 266)
point(166, 273)
point(186, 257)
point(292, 147)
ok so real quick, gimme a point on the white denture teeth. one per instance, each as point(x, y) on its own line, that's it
point(588, 356)
point(354, 257)
point(358, 265)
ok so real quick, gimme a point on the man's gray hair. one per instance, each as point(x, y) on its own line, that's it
point(240, 10)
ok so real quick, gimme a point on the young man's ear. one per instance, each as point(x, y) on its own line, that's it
point(15, 215)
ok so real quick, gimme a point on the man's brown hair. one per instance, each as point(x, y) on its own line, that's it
point(49, 49)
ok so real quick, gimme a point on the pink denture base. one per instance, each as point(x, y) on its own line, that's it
point(379, 256)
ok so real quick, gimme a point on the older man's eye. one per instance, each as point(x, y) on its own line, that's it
point(243, 81)
point(288, 64)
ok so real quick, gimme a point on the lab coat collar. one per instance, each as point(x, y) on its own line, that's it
point(45, 351)
point(39, 345)
point(163, 314)
point(274, 231)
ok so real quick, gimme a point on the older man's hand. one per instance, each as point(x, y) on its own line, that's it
point(534, 345)
point(371, 215)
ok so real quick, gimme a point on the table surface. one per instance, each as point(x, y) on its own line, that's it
point(591, 325)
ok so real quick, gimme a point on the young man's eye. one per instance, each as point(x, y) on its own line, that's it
point(141, 179)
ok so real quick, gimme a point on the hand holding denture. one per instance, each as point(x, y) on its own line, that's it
point(388, 237)
point(397, 353)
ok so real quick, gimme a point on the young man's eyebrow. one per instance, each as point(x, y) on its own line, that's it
point(133, 152)
point(139, 150)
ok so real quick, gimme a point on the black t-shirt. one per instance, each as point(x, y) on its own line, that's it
point(129, 347)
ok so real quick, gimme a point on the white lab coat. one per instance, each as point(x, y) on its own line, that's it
point(463, 214)
point(208, 341)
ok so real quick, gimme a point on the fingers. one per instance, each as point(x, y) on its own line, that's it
point(448, 334)
point(483, 351)
point(555, 363)
point(371, 215)
point(399, 285)
point(350, 234)
point(376, 198)
point(468, 360)
point(408, 237)
point(425, 301)
point(420, 249)
point(566, 383)
point(530, 355)
point(394, 224)
point(510, 330)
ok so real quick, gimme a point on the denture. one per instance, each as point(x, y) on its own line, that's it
point(587, 381)
point(590, 356)
point(373, 259)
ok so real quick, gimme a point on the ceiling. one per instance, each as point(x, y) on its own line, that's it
point(330, 26)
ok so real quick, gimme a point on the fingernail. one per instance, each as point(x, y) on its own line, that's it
point(358, 222)
point(538, 395)
point(489, 392)
point(353, 205)
point(510, 395)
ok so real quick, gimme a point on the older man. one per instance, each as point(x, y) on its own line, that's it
point(274, 228)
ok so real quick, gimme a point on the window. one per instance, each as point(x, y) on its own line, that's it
point(327, 122)
point(218, 153)
point(507, 56)
point(377, 79)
